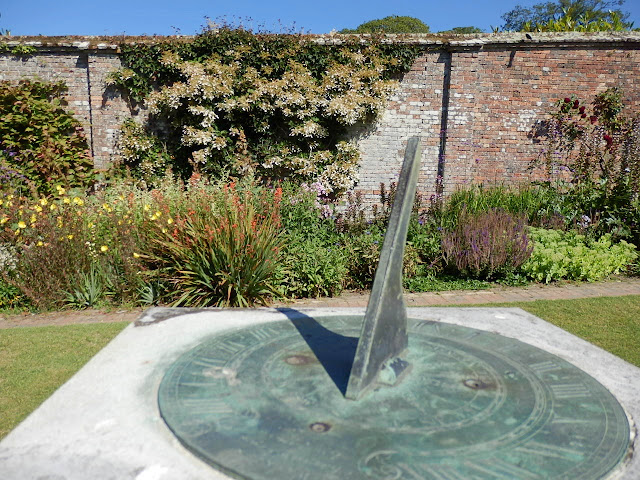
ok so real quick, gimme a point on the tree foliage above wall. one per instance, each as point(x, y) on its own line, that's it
point(229, 101)
point(391, 24)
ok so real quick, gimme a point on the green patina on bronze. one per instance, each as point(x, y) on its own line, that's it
point(267, 401)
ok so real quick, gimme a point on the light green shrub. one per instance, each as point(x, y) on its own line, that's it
point(567, 255)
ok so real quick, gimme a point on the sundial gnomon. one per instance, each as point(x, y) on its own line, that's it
point(389, 397)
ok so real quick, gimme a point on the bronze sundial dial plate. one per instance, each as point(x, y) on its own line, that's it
point(268, 402)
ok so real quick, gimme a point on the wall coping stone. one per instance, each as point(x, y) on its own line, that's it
point(441, 41)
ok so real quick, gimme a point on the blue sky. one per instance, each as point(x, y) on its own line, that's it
point(166, 17)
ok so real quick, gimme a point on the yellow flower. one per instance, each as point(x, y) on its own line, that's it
point(33, 218)
point(37, 208)
point(40, 244)
point(4, 220)
point(52, 207)
point(146, 208)
point(66, 200)
point(70, 237)
point(136, 255)
point(1, 202)
point(169, 221)
point(104, 248)
point(61, 190)
point(78, 201)
point(21, 224)
point(43, 202)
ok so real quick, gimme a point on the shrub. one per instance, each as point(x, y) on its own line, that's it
point(223, 254)
point(567, 255)
point(486, 245)
point(311, 267)
point(42, 144)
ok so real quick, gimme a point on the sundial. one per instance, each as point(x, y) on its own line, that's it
point(390, 397)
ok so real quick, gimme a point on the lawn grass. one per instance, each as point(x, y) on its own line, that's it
point(35, 361)
point(612, 323)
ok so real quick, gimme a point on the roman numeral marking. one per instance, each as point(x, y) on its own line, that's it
point(569, 390)
point(204, 406)
point(544, 367)
point(551, 451)
point(501, 470)
point(209, 362)
point(230, 347)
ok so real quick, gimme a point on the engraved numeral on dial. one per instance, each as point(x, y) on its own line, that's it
point(501, 470)
point(199, 406)
point(569, 390)
point(551, 451)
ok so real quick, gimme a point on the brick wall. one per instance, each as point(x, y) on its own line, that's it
point(474, 100)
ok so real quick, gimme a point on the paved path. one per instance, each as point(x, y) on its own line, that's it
point(612, 288)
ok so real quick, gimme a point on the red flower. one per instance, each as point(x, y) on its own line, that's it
point(584, 115)
point(608, 139)
point(593, 119)
point(567, 100)
point(582, 109)
point(576, 104)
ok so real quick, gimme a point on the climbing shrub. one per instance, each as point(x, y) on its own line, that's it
point(42, 144)
point(231, 101)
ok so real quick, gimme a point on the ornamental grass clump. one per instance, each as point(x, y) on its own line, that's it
point(224, 253)
point(486, 245)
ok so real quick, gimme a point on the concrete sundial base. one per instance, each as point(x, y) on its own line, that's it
point(106, 422)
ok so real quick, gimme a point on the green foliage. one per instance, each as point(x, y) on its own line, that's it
point(587, 22)
point(224, 254)
point(463, 30)
point(41, 143)
point(391, 24)
point(11, 297)
point(231, 102)
point(538, 203)
point(142, 154)
point(567, 255)
point(314, 262)
point(566, 14)
point(311, 268)
point(91, 290)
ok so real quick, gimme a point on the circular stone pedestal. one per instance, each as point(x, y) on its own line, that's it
point(267, 402)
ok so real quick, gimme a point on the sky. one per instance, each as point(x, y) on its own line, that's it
point(187, 17)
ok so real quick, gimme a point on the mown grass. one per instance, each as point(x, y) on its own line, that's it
point(35, 361)
point(612, 323)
